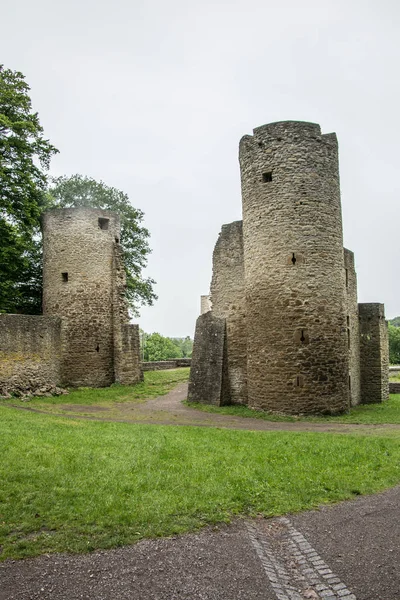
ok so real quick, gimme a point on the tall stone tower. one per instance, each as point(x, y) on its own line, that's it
point(297, 341)
point(83, 283)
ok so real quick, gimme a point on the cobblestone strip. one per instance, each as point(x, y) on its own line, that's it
point(276, 573)
point(307, 576)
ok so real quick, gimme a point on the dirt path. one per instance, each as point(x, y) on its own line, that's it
point(169, 410)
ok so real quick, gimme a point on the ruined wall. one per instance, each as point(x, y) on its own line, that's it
point(228, 301)
point(205, 304)
point(163, 365)
point(126, 341)
point(353, 332)
point(374, 353)
point(298, 360)
point(78, 258)
point(29, 353)
point(208, 381)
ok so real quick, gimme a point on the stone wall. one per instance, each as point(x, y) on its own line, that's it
point(208, 382)
point(298, 359)
point(161, 365)
point(126, 340)
point(29, 354)
point(374, 353)
point(394, 387)
point(228, 301)
point(205, 304)
point(352, 327)
point(84, 284)
point(78, 255)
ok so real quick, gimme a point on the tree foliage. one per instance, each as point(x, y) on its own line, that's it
point(158, 347)
point(80, 191)
point(185, 345)
point(394, 344)
point(24, 160)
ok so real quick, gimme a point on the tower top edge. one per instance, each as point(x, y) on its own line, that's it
point(80, 211)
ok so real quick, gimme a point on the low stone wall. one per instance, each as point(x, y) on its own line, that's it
point(394, 387)
point(29, 354)
point(166, 364)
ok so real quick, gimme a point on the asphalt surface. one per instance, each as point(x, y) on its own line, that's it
point(349, 551)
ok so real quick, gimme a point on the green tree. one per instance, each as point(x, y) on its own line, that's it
point(158, 347)
point(24, 160)
point(185, 344)
point(394, 345)
point(77, 190)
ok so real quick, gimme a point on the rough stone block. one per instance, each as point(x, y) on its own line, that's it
point(208, 381)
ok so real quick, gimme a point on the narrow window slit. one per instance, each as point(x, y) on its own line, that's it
point(64, 277)
point(293, 259)
point(97, 348)
point(302, 338)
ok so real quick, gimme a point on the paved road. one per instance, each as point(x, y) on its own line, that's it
point(349, 551)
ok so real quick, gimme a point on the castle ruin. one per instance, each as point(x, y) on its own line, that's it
point(84, 337)
point(285, 332)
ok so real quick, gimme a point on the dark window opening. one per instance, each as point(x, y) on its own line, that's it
point(348, 338)
point(103, 223)
point(348, 321)
point(97, 348)
point(267, 177)
point(349, 382)
point(302, 337)
point(117, 240)
point(260, 144)
point(293, 259)
point(299, 381)
point(347, 278)
point(64, 277)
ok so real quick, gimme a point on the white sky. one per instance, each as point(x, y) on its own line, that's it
point(152, 97)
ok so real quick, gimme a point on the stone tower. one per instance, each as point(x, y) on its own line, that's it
point(294, 273)
point(83, 283)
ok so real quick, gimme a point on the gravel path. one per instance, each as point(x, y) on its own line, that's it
point(169, 410)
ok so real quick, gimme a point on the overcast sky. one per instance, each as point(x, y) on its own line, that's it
point(152, 97)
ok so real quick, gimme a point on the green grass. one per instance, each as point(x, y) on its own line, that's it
point(75, 485)
point(385, 412)
point(156, 383)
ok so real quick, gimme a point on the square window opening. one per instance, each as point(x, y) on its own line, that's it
point(104, 223)
point(267, 177)
point(64, 277)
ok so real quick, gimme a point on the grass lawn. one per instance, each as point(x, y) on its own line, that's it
point(76, 485)
point(385, 412)
point(156, 383)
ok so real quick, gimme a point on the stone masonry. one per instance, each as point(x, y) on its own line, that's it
point(228, 300)
point(29, 354)
point(83, 284)
point(353, 330)
point(84, 337)
point(374, 353)
point(284, 285)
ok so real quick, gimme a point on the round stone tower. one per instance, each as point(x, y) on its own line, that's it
point(298, 360)
point(79, 286)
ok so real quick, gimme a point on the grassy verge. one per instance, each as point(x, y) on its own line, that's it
point(385, 412)
point(156, 383)
point(74, 485)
